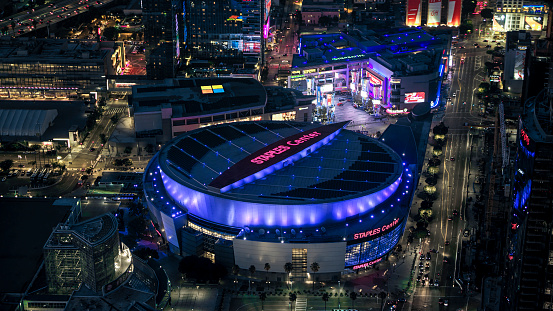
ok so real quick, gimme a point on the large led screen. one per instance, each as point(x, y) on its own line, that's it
point(414, 97)
point(434, 12)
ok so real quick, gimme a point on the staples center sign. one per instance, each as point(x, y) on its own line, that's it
point(275, 156)
point(370, 263)
point(283, 148)
point(375, 231)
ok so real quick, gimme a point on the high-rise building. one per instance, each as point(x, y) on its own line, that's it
point(433, 13)
point(226, 29)
point(529, 268)
point(511, 15)
point(88, 252)
point(164, 36)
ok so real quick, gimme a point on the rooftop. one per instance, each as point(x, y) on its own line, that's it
point(199, 157)
point(193, 97)
point(412, 44)
point(26, 49)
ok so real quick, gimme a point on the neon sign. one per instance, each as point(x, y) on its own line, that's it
point(349, 57)
point(275, 156)
point(374, 80)
point(524, 137)
point(282, 148)
point(370, 263)
point(375, 231)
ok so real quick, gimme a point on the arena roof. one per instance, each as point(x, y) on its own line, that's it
point(348, 165)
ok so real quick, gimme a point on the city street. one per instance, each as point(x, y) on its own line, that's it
point(460, 155)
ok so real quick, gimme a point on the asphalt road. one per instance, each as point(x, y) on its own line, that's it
point(453, 183)
point(49, 15)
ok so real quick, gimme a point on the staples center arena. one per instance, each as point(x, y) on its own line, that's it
point(252, 193)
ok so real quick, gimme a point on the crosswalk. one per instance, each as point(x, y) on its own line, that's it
point(115, 111)
point(478, 61)
point(301, 304)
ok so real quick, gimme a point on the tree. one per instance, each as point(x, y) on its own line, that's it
point(110, 33)
point(136, 227)
point(251, 269)
point(115, 119)
point(235, 271)
point(201, 268)
point(432, 180)
point(353, 296)
point(267, 268)
point(382, 296)
point(325, 299)
point(486, 13)
point(426, 204)
point(262, 296)
point(146, 253)
point(103, 138)
point(315, 268)
point(292, 297)
point(288, 269)
point(128, 149)
point(149, 148)
point(6, 165)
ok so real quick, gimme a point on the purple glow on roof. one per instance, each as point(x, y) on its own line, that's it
point(231, 212)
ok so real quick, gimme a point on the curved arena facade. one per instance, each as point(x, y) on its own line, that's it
point(275, 192)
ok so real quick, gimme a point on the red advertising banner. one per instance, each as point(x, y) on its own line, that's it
point(434, 12)
point(374, 80)
point(413, 13)
point(414, 97)
point(454, 13)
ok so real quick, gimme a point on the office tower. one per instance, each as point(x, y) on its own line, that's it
point(529, 267)
point(433, 13)
point(164, 36)
point(88, 252)
point(225, 29)
point(513, 15)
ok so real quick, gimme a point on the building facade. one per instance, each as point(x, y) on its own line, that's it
point(56, 68)
point(282, 192)
point(513, 15)
point(226, 29)
point(394, 71)
point(529, 277)
point(180, 105)
point(88, 252)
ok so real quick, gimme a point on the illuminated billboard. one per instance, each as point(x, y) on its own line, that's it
point(177, 39)
point(454, 13)
point(414, 97)
point(434, 12)
point(413, 13)
point(533, 9)
point(499, 22)
point(374, 80)
point(533, 22)
point(520, 59)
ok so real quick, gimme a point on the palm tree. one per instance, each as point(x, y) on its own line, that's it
point(252, 272)
point(315, 268)
point(288, 269)
point(325, 299)
point(262, 296)
point(292, 298)
point(353, 296)
point(235, 270)
point(267, 268)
